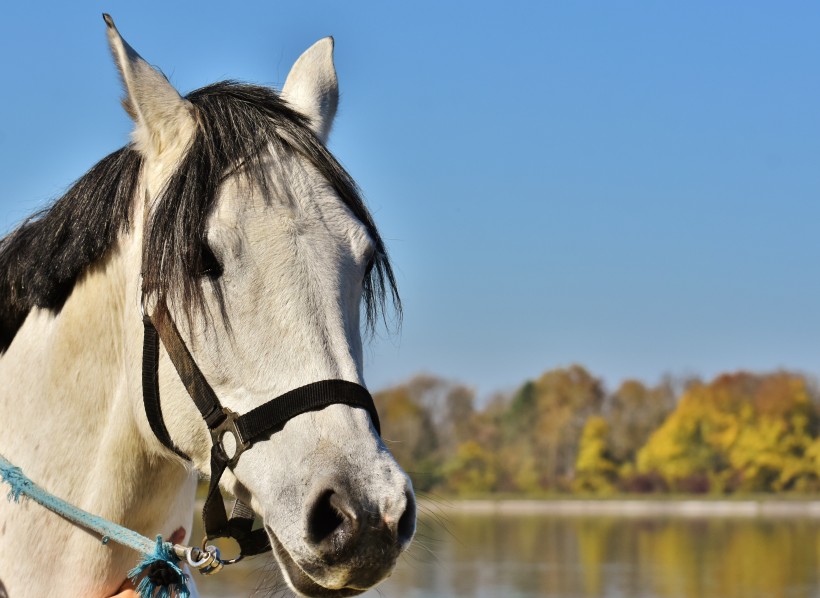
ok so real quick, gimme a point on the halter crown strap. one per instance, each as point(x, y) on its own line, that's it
point(246, 429)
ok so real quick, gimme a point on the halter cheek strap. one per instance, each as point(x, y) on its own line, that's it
point(247, 429)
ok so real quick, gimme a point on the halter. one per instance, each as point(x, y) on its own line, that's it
point(248, 429)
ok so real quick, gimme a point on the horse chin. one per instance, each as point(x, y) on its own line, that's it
point(300, 581)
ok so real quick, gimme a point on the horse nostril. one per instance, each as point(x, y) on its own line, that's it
point(407, 522)
point(323, 519)
point(331, 522)
point(339, 526)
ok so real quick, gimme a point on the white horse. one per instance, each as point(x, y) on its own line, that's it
point(226, 206)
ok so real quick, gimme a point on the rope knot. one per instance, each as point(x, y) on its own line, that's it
point(162, 577)
point(16, 480)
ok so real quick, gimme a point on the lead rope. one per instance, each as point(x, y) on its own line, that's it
point(159, 573)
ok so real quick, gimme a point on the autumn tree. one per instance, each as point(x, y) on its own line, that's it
point(741, 431)
point(561, 431)
point(595, 471)
point(633, 412)
point(471, 471)
point(408, 430)
point(424, 421)
point(769, 452)
point(543, 426)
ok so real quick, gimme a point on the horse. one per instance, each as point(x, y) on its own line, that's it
point(226, 208)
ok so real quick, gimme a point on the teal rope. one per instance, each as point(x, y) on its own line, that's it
point(21, 484)
point(155, 552)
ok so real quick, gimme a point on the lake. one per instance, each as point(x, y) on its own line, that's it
point(490, 555)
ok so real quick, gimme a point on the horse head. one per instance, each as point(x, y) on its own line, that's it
point(258, 243)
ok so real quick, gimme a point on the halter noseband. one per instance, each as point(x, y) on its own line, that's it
point(247, 429)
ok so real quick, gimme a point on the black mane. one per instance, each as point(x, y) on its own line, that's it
point(41, 260)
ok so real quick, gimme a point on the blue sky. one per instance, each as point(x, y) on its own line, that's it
point(633, 186)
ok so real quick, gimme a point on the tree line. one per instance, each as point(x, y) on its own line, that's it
point(564, 432)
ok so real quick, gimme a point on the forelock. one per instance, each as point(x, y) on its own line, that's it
point(236, 126)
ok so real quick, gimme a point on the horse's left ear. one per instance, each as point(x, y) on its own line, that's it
point(164, 120)
point(312, 88)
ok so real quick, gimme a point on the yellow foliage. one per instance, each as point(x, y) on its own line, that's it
point(526, 476)
point(562, 431)
point(472, 470)
point(594, 471)
point(751, 429)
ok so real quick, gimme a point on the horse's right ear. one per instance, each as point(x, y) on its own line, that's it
point(164, 120)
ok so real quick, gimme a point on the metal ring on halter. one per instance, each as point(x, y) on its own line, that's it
point(236, 559)
point(207, 557)
point(215, 564)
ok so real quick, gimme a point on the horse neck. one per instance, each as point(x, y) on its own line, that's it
point(72, 384)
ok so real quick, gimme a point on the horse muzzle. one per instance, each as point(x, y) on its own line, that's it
point(349, 543)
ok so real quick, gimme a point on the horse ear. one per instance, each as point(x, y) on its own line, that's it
point(163, 119)
point(312, 88)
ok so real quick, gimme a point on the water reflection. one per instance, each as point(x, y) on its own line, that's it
point(494, 556)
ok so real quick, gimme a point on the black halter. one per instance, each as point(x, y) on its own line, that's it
point(247, 429)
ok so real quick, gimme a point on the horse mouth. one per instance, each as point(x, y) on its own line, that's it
point(302, 583)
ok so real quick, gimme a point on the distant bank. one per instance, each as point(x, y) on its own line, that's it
point(628, 507)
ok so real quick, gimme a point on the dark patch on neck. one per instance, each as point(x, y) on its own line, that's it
point(42, 259)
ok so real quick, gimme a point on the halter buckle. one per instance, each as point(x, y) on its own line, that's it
point(210, 561)
point(206, 559)
point(228, 426)
point(218, 561)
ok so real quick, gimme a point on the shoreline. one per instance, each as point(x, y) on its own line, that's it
point(634, 508)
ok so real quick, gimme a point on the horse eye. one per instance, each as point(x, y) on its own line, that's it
point(210, 265)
